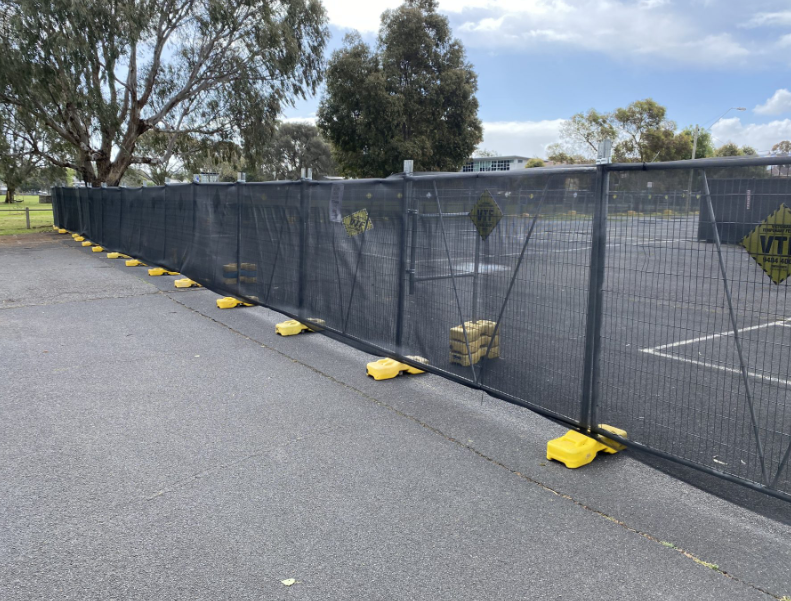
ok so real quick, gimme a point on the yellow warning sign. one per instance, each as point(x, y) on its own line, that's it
point(357, 223)
point(486, 214)
point(770, 244)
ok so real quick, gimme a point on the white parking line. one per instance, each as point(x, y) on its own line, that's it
point(656, 351)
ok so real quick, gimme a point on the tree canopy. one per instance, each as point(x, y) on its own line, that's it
point(18, 164)
point(640, 132)
point(99, 75)
point(297, 146)
point(732, 150)
point(413, 97)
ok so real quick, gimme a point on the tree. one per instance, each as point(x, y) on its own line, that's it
point(646, 135)
point(584, 131)
point(782, 148)
point(296, 146)
point(411, 98)
point(17, 161)
point(557, 154)
point(732, 150)
point(223, 157)
point(99, 75)
point(482, 153)
point(705, 146)
point(640, 132)
point(532, 163)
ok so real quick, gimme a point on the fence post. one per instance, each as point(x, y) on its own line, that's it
point(590, 382)
point(304, 211)
point(239, 183)
point(402, 253)
point(27, 216)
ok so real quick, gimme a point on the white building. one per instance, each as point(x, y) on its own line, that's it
point(509, 163)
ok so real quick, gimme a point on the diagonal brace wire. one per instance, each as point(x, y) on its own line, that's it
point(743, 366)
point(515, 273)
point(279, 238)
point(356, 268)
point(453, 279)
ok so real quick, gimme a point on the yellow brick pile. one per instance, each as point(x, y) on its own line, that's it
point(479, 338)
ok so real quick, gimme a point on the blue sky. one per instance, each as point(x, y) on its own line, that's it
point(541, 61)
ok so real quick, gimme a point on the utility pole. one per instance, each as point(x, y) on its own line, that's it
point(692, 171)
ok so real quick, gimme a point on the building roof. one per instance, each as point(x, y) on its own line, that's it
point(510, 157)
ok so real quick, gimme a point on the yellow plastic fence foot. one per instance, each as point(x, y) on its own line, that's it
point(87, 243)
point(230, 302)
point(156, 271)
point(97, 249)
point(62, 231)
point(79, 238)
point(134, 263)
point(291, 328)
point(117, 256)
point(386, 369)
point(55, 227)
point(73, 235)
point(187, 283)
point(574, 449)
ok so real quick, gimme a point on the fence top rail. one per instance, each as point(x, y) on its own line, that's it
point(23, 209)
point(713, 163)
point(710, 163)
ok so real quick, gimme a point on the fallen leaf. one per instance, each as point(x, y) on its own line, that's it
point(289, 581)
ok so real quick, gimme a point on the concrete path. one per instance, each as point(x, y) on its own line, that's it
point(155, 447)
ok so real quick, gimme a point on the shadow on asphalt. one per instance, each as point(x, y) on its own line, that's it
point(758, 502)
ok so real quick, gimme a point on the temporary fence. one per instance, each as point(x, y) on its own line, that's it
point(610, 295)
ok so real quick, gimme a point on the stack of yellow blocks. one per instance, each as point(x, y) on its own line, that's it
point(479, 338)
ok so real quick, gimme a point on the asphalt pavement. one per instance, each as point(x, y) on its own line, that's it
point(153, 446)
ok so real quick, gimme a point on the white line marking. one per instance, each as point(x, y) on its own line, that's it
point(715, 336)
point(720, 367)
point(655, 351)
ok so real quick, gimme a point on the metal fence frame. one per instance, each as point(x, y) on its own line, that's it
point(586, 421)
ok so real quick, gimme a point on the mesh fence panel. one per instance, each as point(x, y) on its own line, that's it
point(505, 282)
point(671, 374)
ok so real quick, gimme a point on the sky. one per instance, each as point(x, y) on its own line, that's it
point(541, 61)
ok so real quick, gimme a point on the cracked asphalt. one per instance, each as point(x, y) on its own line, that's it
point(155, 447)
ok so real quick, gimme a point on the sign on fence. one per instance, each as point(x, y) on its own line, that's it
point(770, 244)
point(486, 214)
point(357, 223)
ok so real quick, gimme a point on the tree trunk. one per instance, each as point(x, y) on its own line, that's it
point(9, 195)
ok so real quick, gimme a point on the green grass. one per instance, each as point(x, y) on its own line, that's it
point(13, 221)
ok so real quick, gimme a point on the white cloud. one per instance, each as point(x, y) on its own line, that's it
point(785, 41)
point(777, 19)
point(362, 16)
point(309, 120)
point(620, 28)
point(525, 138)
point(760, 136)
point(779, 103)
point(624, 30)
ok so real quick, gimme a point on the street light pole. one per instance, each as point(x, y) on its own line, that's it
point(694, 154)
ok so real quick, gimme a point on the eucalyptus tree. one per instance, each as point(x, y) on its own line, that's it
point(98, 75)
